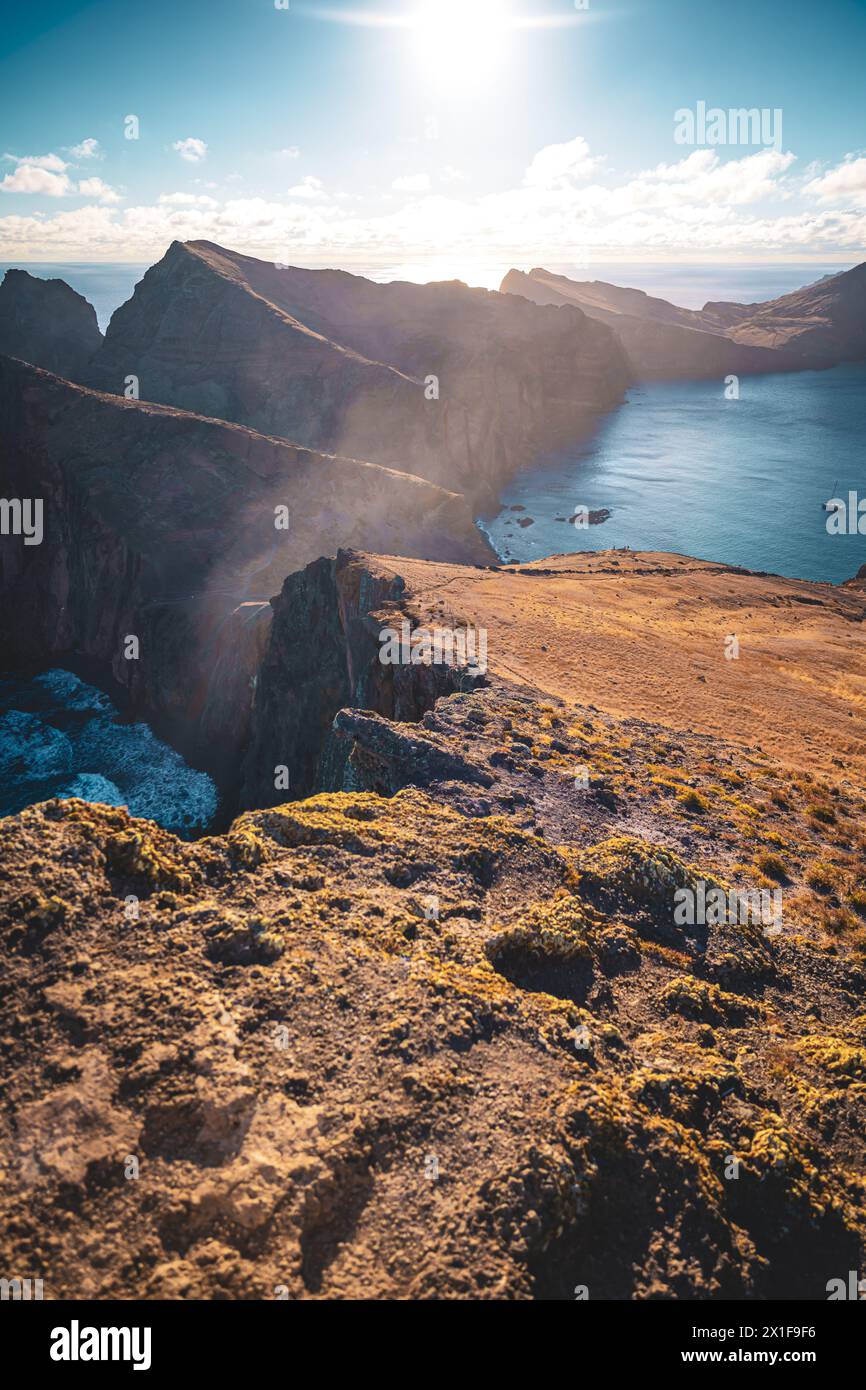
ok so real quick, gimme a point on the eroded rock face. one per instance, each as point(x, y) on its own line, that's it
point(161, 525)
point(323, 653)
point(336, 362)
point(822, 323)
point(45, 322)
point(817, 326)
point(449, 1043)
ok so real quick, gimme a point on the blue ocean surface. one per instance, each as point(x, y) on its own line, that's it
point(682, 468)
point(60, 737)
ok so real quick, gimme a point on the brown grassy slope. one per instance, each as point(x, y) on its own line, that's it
point(644, 635)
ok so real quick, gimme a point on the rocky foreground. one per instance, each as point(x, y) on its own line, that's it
point(437, 1033)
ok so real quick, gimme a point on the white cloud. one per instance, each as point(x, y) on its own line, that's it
point(310, 187)
point(88, 149)
point(95, 188)
point(846, 183)
point(31, 178)
point(412, 183)
point(40, 161)
point(451, 175)
point(191, 149)
point(558, 166)
point(200, 200)
point(290, 152)
point(702, 204)
point(702, 177)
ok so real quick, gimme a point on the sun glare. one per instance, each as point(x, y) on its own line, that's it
point(460, 42)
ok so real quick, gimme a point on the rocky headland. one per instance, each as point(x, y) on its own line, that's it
point(817, 326)
point(421, 1022)
point(47, 323)
point(470, 385)
point(177, 530)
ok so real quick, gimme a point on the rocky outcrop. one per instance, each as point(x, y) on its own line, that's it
point(615, 304)
point(586, 628)
point(461, 386)
point(323, 654)
point(818, 326)
point(448, 1042)
point(47, 323)
point(444, 1032)
point(171, 529)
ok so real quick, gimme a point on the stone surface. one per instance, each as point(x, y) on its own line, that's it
point(448, 1043)
point(161, 524)
point(337, 363)
point(47, 323)
point(816, 326)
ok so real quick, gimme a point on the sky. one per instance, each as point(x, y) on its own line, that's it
point(435, 138)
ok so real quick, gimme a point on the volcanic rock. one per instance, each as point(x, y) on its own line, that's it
point(817, 326)
point(461, 385)
point(47, 323)
point(162, 525)
point(439, 1034)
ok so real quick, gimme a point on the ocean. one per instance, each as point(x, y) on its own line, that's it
point(681, 468)
point(60, 737)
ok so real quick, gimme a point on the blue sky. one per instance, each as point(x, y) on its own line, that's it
point(454, 136)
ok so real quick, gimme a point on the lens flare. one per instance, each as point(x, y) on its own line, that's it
point(460, 44)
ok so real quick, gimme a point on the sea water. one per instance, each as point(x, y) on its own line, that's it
point(683, 468)
point(60, 737)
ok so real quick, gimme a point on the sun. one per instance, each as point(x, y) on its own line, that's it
point(460, 43)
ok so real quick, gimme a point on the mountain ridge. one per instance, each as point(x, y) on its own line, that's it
point(463, 382)
point(47, 322)
point(820, 325)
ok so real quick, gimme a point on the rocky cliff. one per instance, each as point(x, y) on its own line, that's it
point(815, 327)
point(323, 653)
point(336, 362)
point(822, 324)
point(47, 323)
point(177, 530)
point(442, 1034)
